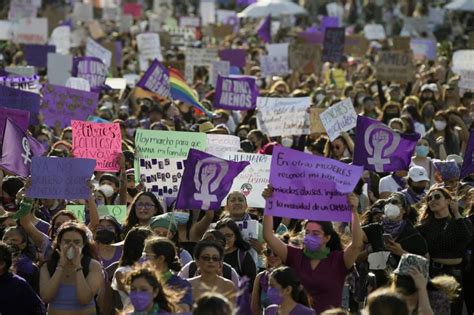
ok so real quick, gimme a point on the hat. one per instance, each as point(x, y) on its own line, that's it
point(418, 174)
point(110, 177)
point(206, 126)
point(11, 185)
point(431, 87)
point(113, 220)
point(166, 221)
point(411, 260)
point(456, 158)
point(449, 170)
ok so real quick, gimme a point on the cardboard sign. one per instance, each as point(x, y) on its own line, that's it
point(101, 142)
point(283, 116)
point(162, 176)
point(333, 49)
point(356, 45)
point(338, 118)
point(94, 49)
point(374, 32)
point(59, 68)
point(198, 57)
point(395, 66)
point(304, 58)
point(31, 31)
point(149, 48)
point(401, 43)
point(316, 124)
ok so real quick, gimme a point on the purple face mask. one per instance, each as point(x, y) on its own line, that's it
point(312, 242)
point(274, 296)
point(141, 300)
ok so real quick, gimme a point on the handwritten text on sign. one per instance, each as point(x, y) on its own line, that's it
point(310, 187)
point(395, 66)
point(98, 141)
point(162, 176)
point(339, 118)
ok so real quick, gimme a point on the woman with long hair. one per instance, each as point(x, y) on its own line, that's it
point(144, 206)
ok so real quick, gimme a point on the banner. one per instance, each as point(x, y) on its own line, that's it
point(27, 84)
point(92, 69)
point(283, 116)
point(395, 66)
point(18, 99)
point(236, 57)
point(98, 141)
point(304, 58)
point(61, 104)
point(236, 93)
point(379, 148)
point(206, 181)
point(293, 176)
point(333, 48)
point(19, 117)
point(60, 178)
point(37, 55)
point(468, 163)
point(94, 49)
point(338, 118)
point(156, 79)
point(31, 31)
point(162, 176)
point(149, 48)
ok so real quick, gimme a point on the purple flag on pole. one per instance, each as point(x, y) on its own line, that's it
point(20, 117)
point(236, 93)
point(468, 164)
point(379, 148)
point(91, 69)
point(19, 99)
point(18, 148)
point(206, 181)
point(156, 79)
point(265, 29)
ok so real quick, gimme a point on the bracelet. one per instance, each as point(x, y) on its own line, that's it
point(79, 269)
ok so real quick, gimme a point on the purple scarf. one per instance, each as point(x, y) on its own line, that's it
point(394, 228)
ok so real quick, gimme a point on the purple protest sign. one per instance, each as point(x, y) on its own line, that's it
point(468, 163)
point(37, 55)
point(236, 93)
point(19, 99)
point(60, 178)
point(20, 117)
point(381, 149)
point(156, 79)
point(236, 57)
point(329, 21)
point(91, 69)
point(206, 181)
point(61, 104)
point(17, 149)
point(293, 176)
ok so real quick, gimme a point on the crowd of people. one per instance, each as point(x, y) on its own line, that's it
point(408, 247)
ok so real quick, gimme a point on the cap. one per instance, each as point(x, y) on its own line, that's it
point(431, 87)
point(418, 174)
point(459, 160)
point(166, 221)
point(411, 260)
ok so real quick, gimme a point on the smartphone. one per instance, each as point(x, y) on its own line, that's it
point(387, 237)
point(70, 253)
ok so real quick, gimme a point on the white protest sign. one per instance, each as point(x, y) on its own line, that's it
point(181, 36)
point(467, 79)
point(463, 60)
point(219, 67)
point(274, 65)
point(126, 21)
point(198, 57)
point(31, 31)
point(189, 21)
point(162, 176)
point(248, 228)
point(59, 68)
point(83, 12)
point(78, 84)
point(218, 145)
point(207, 12)
point(338, 118)
point(374, 31)
point(25, 71)
point(94, 49)
point(228, 17)
point(283, 116)
point(61, 38)
point(6, 30)
point(149, 47)
point(164, 8)
point(131, 79)
point(19, 11)
point(253, 179)
point(111, 13)
point(436, 15)
point(117, 84)
point(28, 84)
point(414, 26)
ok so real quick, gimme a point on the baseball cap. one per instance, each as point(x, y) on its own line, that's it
point(418, 174)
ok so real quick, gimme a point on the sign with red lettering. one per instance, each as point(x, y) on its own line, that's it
point(99, 141)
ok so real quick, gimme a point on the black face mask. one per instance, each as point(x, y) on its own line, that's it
point(104, 236)
point(132, 191)
point(388, 117)
point(418, 190)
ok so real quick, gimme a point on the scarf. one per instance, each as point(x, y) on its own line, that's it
point(394, 228)
point(400, 182)
point(317, 254)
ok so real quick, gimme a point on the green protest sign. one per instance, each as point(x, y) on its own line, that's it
point(119, 212)
point(78, 210)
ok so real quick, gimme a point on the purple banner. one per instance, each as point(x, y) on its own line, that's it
point(468, 164)
point(236, 57)
point(206, 181)
point(379, 148)
point(156, 79)
point(20, 117)
point(293, 175)
point(91, 69)
point(60, 178)
point(333, 48)
point(61, 104)
point(236, 93)
point(18, 148)
point(37, 55)
point(19, 99)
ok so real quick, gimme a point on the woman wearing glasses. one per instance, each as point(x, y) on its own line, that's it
point(142, 209)
point(447, 234)
point(209, 257)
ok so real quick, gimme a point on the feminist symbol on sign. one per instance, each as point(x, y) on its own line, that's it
point(207, 178)
point(379, 145)
point(26, 149)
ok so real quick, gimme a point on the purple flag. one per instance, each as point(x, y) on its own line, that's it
point(60, 178)
point(379, 148)
point(468, 164)
point(236, 93)
point(91, 69)
point(61, 104)
point(37, 55)
point(206, 181)
point(265, 29)
point(19, 99)
point(18, 148)
point(156, 79)
point(236, 57)
point(20, 117)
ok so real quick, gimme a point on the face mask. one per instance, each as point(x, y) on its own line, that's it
point(421, 150)
point(440, 125)
point(418, 190)
point(287, 142)
point(141, 300)
point(104, 236)
point(391, 211)
point(181, 217)
point(312, 242)
point(107, 190)
point(259, 82)
point(274, 296)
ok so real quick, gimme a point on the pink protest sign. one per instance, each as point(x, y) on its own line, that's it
point(99, 141)
point(133, 9)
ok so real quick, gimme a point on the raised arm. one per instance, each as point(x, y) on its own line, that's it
point(199, 228)
point(36, 235)
point(91, 205)
point(277, 246)
point(123, 182)
point(353, 250)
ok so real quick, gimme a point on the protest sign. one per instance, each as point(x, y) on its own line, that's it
point(83, 12)
point(21, 10)
point(61, 38)
point(98, 141)
point(207, 12)
point(133, 9)
point(206, 181)
point(304, 58)
point(310, 37)
point(61, 104)
point(423, 48)
point(401, 43)
point(253, 179)
point(379, 148)
point(329, 21)
point(111, 13)
point(292, 177)
point(198, 57)
point(20, 117)
point(6, 30)
point(60, 178)
point(119, 212)
point(24, 71)
point(95, 30)
point(31, 31)
point(94, 49)
point(415, 26)
point(178, 36)
point(218, 145)
point(338, 118)
point(316, 124)
point(91, 69)
point(79, 211)
point(126, 21)
point(156, 79)
point(37, 55)
point(162, 176)
point(468, 161)
point(355, 45)
point(218, 67)
point(395, 66)
point(18, 99)
point(78, 84)
point(374, 32)
point(236, 93)
point(467, 79)
point(228, 17)
point(149, 48)
point(274, 65)
point(236, 57)
point(436, 15)
point(59, 68)
point(283, 116)
point(333, 48)
point(119, 84)
point(189, 21)
point(27, 84)
point(463, 60)
point(249, 229)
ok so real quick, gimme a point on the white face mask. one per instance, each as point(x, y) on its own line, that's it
point(440, 125)
point(391, 211)
point(107, 190)
point(287, 142)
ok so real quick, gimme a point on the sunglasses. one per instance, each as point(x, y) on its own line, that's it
point(394, 201)
point(434, 197)
point(210, 258)
point(268, 252)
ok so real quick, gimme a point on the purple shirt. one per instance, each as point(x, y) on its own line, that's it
point(43, 226)
point(299, 309)
point(325, 282)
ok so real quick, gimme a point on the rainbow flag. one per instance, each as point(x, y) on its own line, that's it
point(180, 90)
